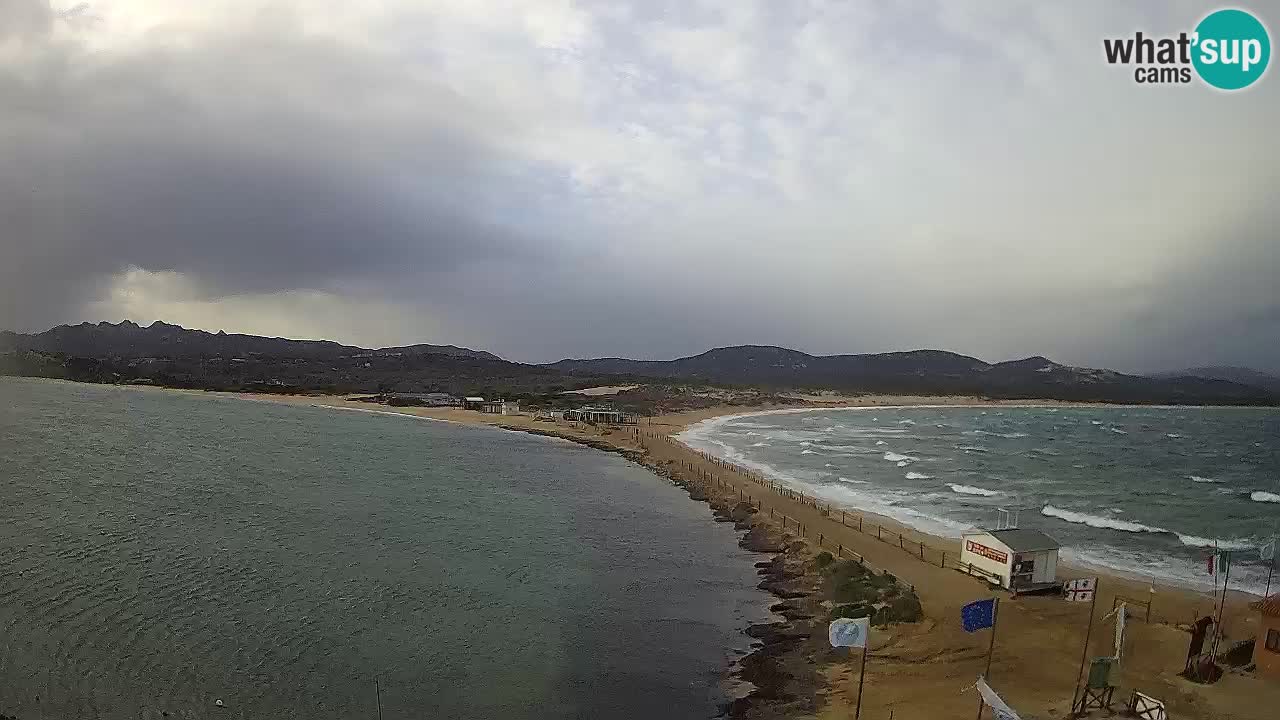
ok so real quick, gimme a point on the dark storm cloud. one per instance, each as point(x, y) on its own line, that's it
point(188, 159)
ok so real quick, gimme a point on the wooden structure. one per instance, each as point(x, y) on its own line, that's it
point(1266, 648)
point(1016, 559)
point(1146, 707)
point(600, 416)
point(1099, 688)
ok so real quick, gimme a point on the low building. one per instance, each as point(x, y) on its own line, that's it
point(472, 403)
point(499, 407)
point(1266, 648)
point(599, 416)
point(1013, 558)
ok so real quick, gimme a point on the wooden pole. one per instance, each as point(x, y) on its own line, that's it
point(1222, 606)
point(995, 617)
point(1084, 654)
point(1270, 570)
point(862, 674)
point(378, 689)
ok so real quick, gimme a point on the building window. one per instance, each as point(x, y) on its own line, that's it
point(1273, 640)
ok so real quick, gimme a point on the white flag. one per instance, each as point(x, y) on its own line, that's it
point(1080, 585)
point(1268, 551)
point(849, 632)
point(999, 709)
point(1080, 589)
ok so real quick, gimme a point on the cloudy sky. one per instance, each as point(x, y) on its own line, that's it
point(646, 178)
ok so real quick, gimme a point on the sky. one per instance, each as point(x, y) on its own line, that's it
point(649, 179)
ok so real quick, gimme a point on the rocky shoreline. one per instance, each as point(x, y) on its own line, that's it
point(783, 669)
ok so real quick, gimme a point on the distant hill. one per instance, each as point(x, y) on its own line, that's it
point(130, 340)
point(170, 355)
point(1242, 375)
point(929, 372)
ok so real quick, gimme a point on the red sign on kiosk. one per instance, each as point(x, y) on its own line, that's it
point(986, 552)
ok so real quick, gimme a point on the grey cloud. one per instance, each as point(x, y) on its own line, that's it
point(777, 179)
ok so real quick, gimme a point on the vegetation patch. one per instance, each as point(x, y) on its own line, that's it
point(856, 592)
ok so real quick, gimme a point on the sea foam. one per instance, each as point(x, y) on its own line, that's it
point(1133, 527)
point(918, 476)
point(1260, 496)
point(1198, 479)
point(971, 490)
point(895, 457)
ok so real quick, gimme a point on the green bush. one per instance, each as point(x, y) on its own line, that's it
point(854, 590)
point(824, 559)
point(906, 608)
point(850, 611)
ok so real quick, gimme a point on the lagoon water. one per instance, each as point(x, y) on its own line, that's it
point(1142, 490)
point(160, 551)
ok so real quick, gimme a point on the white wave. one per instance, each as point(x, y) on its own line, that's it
point(805, 443)
point(903, 463)
point(1115, 510)
point(832, 465)
point(1198, 479)
point(971, 490)
point(854, 482)
point(988, 433)
point(895, 457)
point(918, 476)
point(1118, 431)
point(906, 422)
point(808, 452)
point(972, 448)
point(1098, 522)
point(881, 442)
point(1174, 436)
point(1095, 422)
point(1194, 541)
point(1260, 496)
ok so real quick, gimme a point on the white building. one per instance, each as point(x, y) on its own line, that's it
point(1016, 559)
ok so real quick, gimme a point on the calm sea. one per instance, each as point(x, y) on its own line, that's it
point(1139, 490)
point(161, 551)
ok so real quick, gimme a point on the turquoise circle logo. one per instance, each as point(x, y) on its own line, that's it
point(1232, 49)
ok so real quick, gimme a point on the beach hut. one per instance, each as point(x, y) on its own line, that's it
point(1266, 648)
point(1016, 559)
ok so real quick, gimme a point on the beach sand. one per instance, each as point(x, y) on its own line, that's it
point(925, 670)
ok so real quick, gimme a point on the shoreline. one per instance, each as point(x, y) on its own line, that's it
point(1081, 567)
point(931, 662)
point(922, 667)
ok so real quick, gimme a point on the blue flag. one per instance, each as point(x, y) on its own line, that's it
point(978, 614)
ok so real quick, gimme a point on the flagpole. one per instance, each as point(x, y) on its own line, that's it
point(995, 616)
point(1084, 654)
point(1222, 607)
point(1270, 569)
point(862, 673)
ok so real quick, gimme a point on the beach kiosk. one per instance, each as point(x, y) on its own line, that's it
point(1013, 558)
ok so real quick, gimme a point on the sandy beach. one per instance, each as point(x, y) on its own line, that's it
point(925, 669)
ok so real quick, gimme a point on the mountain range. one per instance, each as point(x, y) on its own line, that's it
point(167, 354)
point(1244, 376)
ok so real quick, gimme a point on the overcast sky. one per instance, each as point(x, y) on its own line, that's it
point(647, 178)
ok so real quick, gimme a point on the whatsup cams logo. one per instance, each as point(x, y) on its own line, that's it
point(1228, 50)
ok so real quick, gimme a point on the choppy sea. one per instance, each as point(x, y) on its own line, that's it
point(1147, 491)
